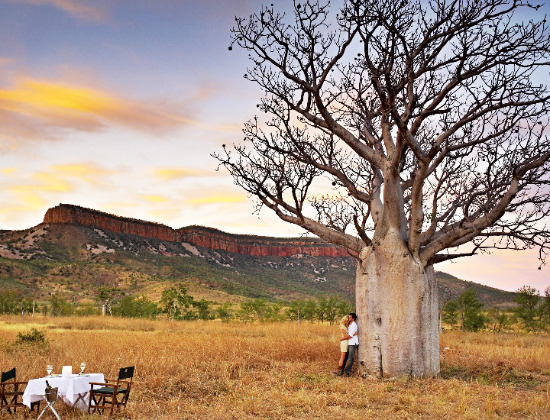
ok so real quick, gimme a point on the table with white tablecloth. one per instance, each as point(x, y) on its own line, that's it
point(74, 389)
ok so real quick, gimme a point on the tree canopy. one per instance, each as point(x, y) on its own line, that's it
point(427, 118)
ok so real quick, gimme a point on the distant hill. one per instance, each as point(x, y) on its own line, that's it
point(76, 250)
point(450, 287)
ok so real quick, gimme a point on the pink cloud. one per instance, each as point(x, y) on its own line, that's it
point(81, 9)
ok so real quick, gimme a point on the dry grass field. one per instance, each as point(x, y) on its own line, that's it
point(214, 370)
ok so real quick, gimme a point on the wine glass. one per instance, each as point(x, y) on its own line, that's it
point(49, 369)
point(82, 367)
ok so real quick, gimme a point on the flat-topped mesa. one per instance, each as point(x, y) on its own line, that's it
point(70, 214)
point(258, 245)
point(197, 235)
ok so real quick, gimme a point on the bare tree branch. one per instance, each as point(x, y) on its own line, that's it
point(423, 117)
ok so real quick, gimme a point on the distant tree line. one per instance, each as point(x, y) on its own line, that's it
point(12, 302)
point(323, 309)
point(532, 313)
point(465, 312)
point(177, 304)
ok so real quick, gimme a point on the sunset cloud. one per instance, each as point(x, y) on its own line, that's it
point(38, 189)
point(81, 108)
point(222, 128)
point(16, 129)
point(169, 174)
point(29, 199)
point(166, 215)
point(155, 198)
point(85, 10)
point(118, 207)
point(8, 171)
point(218, 198)
point(5, 61)
point(48, 182)
point(32, 195)
point(83, 171)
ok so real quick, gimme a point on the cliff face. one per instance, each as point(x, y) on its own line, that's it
point(67, 214)
point(261, 247)
point(196, 235)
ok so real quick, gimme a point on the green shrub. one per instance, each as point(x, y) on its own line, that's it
point(34, 337)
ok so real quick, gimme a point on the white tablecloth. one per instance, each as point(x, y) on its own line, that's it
point(69, 388)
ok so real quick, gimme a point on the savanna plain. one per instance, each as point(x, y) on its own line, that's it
point(217, 370)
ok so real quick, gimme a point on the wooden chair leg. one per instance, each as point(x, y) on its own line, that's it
point(114, 403)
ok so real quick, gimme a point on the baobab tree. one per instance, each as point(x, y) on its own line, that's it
point(409, 132)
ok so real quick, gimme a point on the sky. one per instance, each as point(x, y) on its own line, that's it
point(117, 106)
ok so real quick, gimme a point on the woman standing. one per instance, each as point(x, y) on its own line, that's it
point(344, 324)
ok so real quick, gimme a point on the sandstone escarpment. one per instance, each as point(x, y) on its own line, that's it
point(259, 246)
point(69, 214)
point(196, 235)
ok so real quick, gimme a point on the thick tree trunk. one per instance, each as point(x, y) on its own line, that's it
point(397, 312)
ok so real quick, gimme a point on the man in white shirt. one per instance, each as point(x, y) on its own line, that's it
point(353, 342)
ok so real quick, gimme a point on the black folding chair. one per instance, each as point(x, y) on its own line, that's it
point(11, 393)
point(112, 394)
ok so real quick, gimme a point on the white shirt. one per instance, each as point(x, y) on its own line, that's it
point(352, 329)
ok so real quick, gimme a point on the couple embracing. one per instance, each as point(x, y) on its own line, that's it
point(349, 342)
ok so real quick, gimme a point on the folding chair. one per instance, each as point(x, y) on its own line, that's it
point(11, 393)
point(113, 393)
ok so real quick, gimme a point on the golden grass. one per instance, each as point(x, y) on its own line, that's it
point(214, 370)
